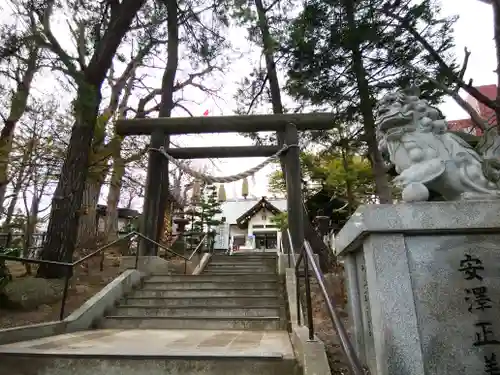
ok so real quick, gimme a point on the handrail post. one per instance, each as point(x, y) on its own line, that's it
point(137, 248)
point(297, 292)
point(291, 248)
point(65, 291)
point(308, 297)
point(288, 248)
point(346, 345)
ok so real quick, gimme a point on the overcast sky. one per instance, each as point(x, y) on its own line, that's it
point(474, 30)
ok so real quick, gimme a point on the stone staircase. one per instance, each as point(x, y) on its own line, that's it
point(229, 320)
point(233, 292)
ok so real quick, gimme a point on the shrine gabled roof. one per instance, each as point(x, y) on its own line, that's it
point(263, 203)
point(233, 208)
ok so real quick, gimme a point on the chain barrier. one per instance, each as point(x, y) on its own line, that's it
point(226, 179)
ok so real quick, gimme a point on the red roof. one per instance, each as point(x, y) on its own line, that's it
point(464, 125)
point(485, 112)
point(490, 91)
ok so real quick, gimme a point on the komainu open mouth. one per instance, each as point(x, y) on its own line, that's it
point(392, 120)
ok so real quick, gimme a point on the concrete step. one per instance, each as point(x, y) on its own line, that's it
point(242, 269)
point(269, 277)
point(246, 270)
point(219, 271)
point(241, 265)
point(203, 285)
point(237, 301)
point(271, 266)
point(225, 272)
point(181, 311)
point(240, 260)
point(75, 364)
point(255, 254)
point(190, 322)
point(244, 261)
point(263, 292)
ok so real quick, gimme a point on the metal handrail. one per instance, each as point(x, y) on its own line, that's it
point(159, 245)
point(100, 249)
point(198, 247)
point(70, 265)
point(307, 284)
point(291, 252)
point(345, 342)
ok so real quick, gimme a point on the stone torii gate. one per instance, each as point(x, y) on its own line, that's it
point(160, 130)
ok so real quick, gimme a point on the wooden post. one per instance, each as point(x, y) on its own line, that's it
point(164, 193)
point(294, 187)
point(150, 212)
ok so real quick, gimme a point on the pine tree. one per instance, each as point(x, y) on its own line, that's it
point(205, 214)
point(206, 211)
point(321, 42)
point(344, 55)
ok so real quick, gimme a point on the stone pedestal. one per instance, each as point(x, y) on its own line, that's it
point(424, 287)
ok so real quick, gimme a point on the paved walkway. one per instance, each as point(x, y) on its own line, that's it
point(136, 342)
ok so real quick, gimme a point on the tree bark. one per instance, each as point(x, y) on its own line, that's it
point(167, 101)
point(167, 223)
point(382, 186)
point(157, 187)
point(24, 170)
point(17, 109)
point(310, 234)
point(114, 197)
point(31, 221)
point(87, 226)
point(63, 223)
point(9, 213)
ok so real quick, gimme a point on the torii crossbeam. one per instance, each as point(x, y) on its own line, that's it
point(161, 129)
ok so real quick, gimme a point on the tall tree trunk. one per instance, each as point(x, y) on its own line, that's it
point(67, 200)
point(382, 186)
point(114, 197)
point(167, 100)
point(87, 226)
point(30, 228)
point(24, 170)
point(32, 219)
point(63, 223)
point(17, 109)
point(9, 213)
point(167, 226)
point(268, 48)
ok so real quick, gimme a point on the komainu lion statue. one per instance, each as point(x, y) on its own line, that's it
point(429, 158)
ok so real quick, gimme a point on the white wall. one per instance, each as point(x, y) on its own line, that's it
point(257, 219)
point(234, 230)
point(263, 217)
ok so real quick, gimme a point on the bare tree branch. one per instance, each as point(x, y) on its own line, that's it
point(452, 76)
point(480, 123)
point(177, 104)
point(464, 68)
